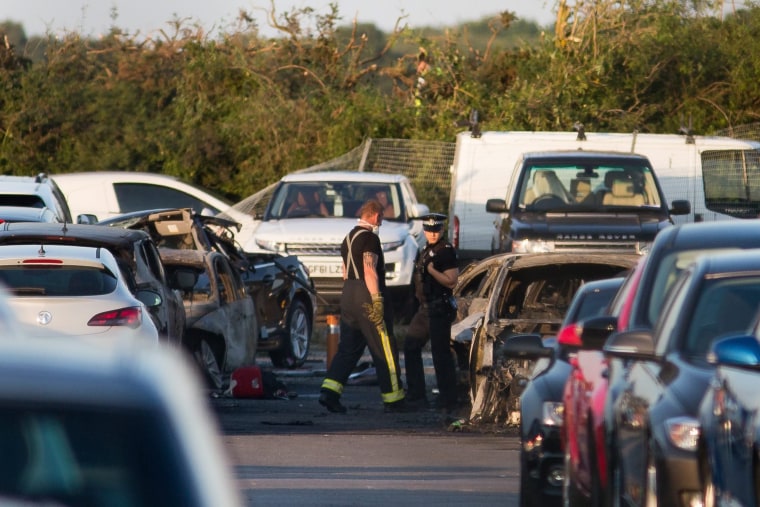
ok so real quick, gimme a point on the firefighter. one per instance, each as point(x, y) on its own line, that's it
point(363, 316)
point(436, 273)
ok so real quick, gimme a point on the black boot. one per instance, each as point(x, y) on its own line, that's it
point(331, 401)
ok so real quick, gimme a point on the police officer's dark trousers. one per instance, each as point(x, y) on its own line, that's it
point(356, 333)
point(441, 318)
point(417, 335)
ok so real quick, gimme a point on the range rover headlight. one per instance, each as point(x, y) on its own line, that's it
point(272, 246)
point(532, 246)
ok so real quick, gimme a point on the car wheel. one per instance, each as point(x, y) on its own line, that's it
point(210, 357)
point(295, 349)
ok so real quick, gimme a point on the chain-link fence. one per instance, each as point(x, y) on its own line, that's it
point(427, 164)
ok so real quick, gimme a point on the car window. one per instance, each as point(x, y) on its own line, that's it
point(24, 200)
point(57, 281)
point(70, 455)
point(725, 307)
point(142, 196)
point(667, 272)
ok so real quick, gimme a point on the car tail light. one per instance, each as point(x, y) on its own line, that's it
point(130, 317)
point(570, 335)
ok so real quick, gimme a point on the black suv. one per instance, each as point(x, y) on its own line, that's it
point(576, 200)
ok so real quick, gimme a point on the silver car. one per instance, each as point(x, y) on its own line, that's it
point(119, 426)
point(66, 290)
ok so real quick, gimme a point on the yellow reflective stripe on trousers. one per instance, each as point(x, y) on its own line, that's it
point(332, 385)
point(396, 394)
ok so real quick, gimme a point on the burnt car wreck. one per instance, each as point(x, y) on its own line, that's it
point(530, 297)
point(282, 292)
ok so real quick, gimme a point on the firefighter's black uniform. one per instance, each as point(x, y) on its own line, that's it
point(357, 330)
point(432, 321)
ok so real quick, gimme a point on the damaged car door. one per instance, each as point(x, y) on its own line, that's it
point(221, 331)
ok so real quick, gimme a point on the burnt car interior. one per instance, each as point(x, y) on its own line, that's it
point(535, 300)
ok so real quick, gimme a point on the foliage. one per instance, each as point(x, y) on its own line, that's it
point(236, 112)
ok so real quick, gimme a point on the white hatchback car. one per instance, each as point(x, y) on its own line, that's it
point(76, 291)
point(123, 426)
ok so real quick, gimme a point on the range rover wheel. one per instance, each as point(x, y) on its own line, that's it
point(295, 348)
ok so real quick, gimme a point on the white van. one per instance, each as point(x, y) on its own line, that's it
point(685, 166)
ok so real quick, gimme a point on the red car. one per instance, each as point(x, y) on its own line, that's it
point(583, 430)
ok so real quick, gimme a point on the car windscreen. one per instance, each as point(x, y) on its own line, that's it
point(51, 280)
point(71, 455)
point(573, 186)
point(333, 199)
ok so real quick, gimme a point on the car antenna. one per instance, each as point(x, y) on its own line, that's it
point(578, 127)
point(687, 131)
point(41, 252)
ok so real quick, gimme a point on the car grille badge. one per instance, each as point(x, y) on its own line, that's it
point(44, 318)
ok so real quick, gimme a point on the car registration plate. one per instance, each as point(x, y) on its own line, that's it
point(332, 269)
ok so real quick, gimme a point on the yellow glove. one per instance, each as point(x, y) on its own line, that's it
point(375, 311)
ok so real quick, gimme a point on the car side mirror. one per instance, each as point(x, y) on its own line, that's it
point(529, 346)
point(680, 207)
point(636, 344)
point(87, 218)
point(149, 298)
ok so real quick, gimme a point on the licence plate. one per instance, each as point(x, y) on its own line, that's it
point(325, 269)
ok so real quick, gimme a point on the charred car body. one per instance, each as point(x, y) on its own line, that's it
point(530, 296)
point(282, 292)
point(221, 331)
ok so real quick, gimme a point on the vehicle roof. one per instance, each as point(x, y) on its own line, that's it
point(591, 155)
point(90, 235)
point(521, 137)
point(741, 261)
point(69, 255)
point(117, 176)
point(625, 260)
point(25, 213)
point(700, 235)
point(124, 373)
point(358, 176)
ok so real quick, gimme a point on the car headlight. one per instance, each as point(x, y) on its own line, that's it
point(683, 432)
point(532, 246)
point(392, 245)
point(553, 412)
point(272, 246)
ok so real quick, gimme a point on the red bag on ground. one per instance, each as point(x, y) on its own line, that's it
point(247, 382)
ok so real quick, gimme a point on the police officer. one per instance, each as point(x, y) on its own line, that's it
point(363, 316)
point(436, 273)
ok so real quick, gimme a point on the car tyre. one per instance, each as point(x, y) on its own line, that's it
point(295, 348)
point(210, 357)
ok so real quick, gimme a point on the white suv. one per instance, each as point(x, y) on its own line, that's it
point(34, 192)
point(316, 237)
